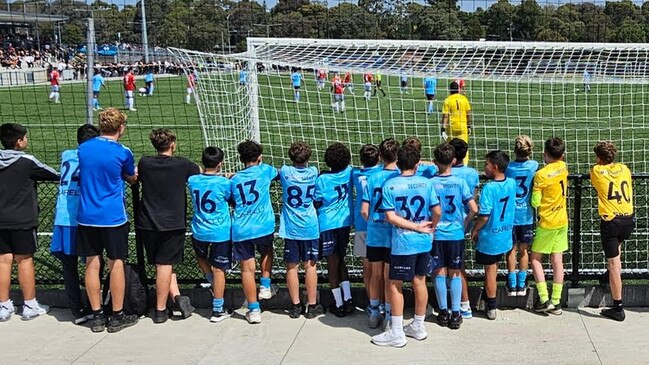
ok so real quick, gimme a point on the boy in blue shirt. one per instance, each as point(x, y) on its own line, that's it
point(296, 80)
point(492, 232)
point(426, 169)
point(149, 80)
point(298, 226)
point(448, 247)
point(334, 201)
point(97, 84)
point(64, 237)
point(253, 224)
point(212, 224)
point(379, 231)
point(430, 89)
point(412, 207)
point(522, 170)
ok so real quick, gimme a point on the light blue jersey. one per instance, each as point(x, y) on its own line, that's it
point(469, 174)
point(296, 77)
point(210, 195)
point(411, 198)
point(587, 76)
point(404, 77)
point(379, 231)
point(523, 173)
point(253, 215)
point(97, 83)
point(67, 203)
point(453, 194)
point(359, 181)
point(498, 202)
point(427, 171)
point(148, 77)
point(430, 85)
point(299, 219)
point(243, 77)
point(334, 191)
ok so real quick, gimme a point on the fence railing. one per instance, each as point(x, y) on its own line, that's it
point(584, 260)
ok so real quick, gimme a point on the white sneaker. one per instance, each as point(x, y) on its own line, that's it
point(265, 293)
point(6, 312)
point(417, 332)
point(253, 316)
point(389, 338)
point(33, 312)
point(133, 109)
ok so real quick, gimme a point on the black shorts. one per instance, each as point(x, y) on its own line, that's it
point(378, 83)
point(296, 87)
point(163, 247)
point(430, 96)
point(296, 251)
point(523, 234)
point(449, 254)
point(94, 240)
point(404, 83)
point(614, 232)
point(245, 250)
point(378, 254)
point(95, 94)
point(334, 241)
point(486, 259)
point(18, 241)
point(406, 267)
point(218, 254)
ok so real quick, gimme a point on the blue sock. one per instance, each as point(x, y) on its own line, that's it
point(265, 282)
point(254, 306)
point(388, 311)
point(511, 279)
point(521, 276)
point(374, 307)
point(456, 293)
point(440, 291)
point(217, 304)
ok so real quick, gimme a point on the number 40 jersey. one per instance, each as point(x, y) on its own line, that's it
point(299, 219)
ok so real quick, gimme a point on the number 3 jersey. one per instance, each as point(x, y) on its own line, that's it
point(299, 219)
point(523, 174)
point(253, 213)
point(453, 194)
point(210, 194)
point(333, 190)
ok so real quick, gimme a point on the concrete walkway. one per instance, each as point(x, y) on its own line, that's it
point(516, 337)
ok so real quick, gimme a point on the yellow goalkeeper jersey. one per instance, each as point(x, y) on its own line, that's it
point(614, 190)
point(549, 195)
point(457, 106)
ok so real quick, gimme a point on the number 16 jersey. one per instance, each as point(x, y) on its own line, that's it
point(299, 220)
point(210, 194)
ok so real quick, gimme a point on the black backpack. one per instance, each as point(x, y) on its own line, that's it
point(135, 292)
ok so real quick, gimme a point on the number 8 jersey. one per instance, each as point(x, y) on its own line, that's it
point(210, 194)
point(299, 220)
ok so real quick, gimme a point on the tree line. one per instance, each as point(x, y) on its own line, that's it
point(223, 25)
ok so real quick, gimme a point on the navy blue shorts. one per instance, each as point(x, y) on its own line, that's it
point(245, 250)
point(296, 251)
point(523, 234)
point(449, 254)
point(378, 254)
point(334, 241)
point(406, 267)
point(218, 254)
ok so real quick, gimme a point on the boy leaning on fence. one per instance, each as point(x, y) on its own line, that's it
point(19, 218)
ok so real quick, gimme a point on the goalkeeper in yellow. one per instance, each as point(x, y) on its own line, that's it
point(456, 117)
point(612, 181)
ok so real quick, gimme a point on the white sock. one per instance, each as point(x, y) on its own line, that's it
point(342, 105)
point(419, 320)
point(465, 306)
point(6, 304)
point(187, 99)
point(51, 96)
point(338, 297)
point(31, 303)
point(347, 290)
point(56, 97)
point(397, 324)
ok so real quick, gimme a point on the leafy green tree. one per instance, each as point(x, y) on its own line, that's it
point(499, 19)
point(526, 21)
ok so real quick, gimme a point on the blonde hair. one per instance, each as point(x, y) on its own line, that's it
point(606, 151)
point(110, 120)
point(523, 146)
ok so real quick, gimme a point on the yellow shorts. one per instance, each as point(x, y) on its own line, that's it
point(550, 240)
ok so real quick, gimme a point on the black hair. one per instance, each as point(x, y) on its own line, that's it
point(249, 151)
point(461, 148)
point(555, 147)
point(337, 157)
point(86, 132)
point(454, 88)
point(408, 157)
point(369, 155)
point(444, 154)
point(498, 158)
point(299, 152)
point(10, 133)
point(212, 157)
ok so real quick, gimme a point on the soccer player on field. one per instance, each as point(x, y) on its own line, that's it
point(492, 232)
point(253, 224)
point(55, 87)
point(97, 84)
point(338, 89)
point(369, 157)
point(64, 237)
point(403, 87)
point(587, 78)
point(296, 81)
point(377, 84)
point(298, 226)
point(456, 116)
point(412, 207)
point(212, 224)
point(149, 80)
point(448, 247)
point(430, 89)
point(522, 170)
point(614, 187)
point(321, 78)
point(163, 217)
point(348, 83)
point(367, 85)
point(191, 87)
point(549, 197)
point(243, 76)
point(129, 89)
point(334, 202)
point(379, 231)
point(19, 219)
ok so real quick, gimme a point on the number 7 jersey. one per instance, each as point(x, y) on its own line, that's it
point(299, 220)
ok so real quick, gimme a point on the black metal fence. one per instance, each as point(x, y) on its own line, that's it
point(584, 260)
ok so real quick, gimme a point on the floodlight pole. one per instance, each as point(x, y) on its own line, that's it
point(145, 42)
point(90, 53)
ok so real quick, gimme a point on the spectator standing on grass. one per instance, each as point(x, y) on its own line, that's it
point(19, 218)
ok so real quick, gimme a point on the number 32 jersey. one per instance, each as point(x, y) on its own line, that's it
point(210, 194)
point(299, 219)
point(253, 213)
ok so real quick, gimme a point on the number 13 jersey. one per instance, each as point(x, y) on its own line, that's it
point(253, 213)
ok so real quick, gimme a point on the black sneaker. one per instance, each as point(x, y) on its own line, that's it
point(557, 311)
point(98, 322)
point(443, 318)
point(160, 316)
point(455, 322)
point(511, 291)
point(349, 306)
point(544, 307)
point(338, 311)
point(80, 316)
point(222, 315)
point(184, 305)
point(121, 321)
point(313, 310)
point(614, 314)
point(296, 310)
